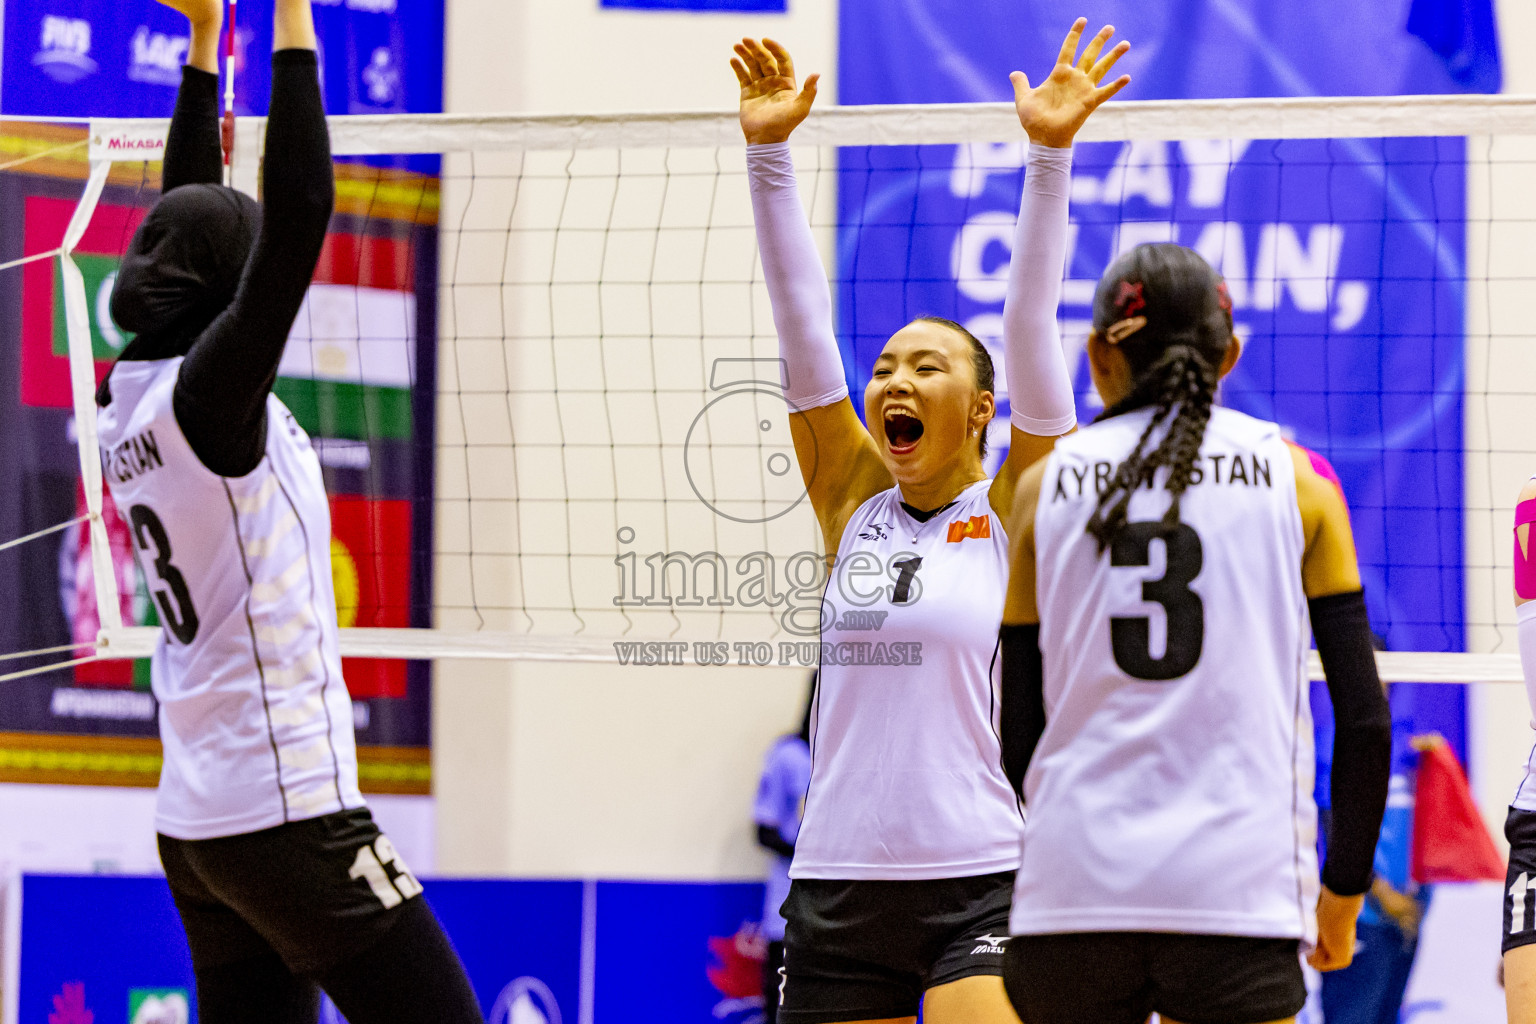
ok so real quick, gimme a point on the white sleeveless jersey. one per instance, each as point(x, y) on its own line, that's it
point(906, 767)
point(1172, 788)
point(254, 714)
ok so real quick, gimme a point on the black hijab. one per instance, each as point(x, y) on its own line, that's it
point(182, 268)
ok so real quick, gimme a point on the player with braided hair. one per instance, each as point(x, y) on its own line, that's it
point(1164, 565)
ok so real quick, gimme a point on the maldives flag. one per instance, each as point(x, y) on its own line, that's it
point(44, 342)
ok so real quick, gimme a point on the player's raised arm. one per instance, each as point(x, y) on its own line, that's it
point(222, 390)
point(1039, 380)
point(192, 152)
point(837, 456)
point(1362, 741)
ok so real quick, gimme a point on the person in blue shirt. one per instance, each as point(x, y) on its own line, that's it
point(777, 811)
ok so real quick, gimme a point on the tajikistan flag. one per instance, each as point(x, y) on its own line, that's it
point(351, 356)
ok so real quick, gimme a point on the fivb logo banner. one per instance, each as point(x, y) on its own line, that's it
point(1344, 258)
point(106, 58)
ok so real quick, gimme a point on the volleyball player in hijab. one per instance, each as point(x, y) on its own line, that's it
point(1166, 561)
point(1520, 826)
point(904, 863)
point(282, 880)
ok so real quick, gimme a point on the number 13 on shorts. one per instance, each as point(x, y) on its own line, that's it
point(1520, 910)
point(369, 865)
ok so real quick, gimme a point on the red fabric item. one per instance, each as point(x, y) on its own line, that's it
point(1450, 840)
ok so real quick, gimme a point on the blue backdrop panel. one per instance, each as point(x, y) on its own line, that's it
point(520, 943)
point(674, 952)
point(670, 951)
point(107, 934)
point(110, 58)
point(1345, 257)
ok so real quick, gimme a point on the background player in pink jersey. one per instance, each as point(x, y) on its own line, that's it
point(1520, 827)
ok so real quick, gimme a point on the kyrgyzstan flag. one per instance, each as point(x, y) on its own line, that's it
point(1450, 841)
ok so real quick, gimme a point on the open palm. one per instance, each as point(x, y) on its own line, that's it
point(1053, 111)
point(198, 12)
point(772, 106)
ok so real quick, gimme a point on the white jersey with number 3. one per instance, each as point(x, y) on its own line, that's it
point(254, 714)
point(1172, 788)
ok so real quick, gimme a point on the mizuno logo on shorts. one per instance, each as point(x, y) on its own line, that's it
point(990, 944)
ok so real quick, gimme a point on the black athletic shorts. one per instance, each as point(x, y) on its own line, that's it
point(316, 892)
point(1122, 977)
point(861, 950)
point(1520, 883)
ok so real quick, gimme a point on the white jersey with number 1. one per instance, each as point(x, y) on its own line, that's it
point(254, 714)
point(1172, 788)
point(906, 768)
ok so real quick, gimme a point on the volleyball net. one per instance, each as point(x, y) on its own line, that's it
point(539, 364)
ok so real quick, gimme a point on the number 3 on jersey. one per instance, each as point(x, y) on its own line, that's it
point(172, 596)
point(1131, 637)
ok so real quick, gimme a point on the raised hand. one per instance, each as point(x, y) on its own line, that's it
point(206, 18)
point(771, 104)
point(200, 13)
point(1053, 111)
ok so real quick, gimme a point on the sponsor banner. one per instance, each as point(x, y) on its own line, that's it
point(1344, 258)
point(103, 58)
point(347, 376)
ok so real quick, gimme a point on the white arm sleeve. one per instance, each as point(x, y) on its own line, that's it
point(1525, 615)
point(797, 283)
point(1039, 384)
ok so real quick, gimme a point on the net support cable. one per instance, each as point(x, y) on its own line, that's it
point(137, 139)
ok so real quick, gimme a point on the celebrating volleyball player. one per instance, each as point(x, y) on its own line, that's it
point(1520, 826)
point(1165, 562)
point(904, 862)
point(282, 880)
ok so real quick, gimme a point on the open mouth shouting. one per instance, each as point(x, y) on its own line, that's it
point(902, 431)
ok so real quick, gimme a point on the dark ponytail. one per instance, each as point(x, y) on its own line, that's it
point(1174, 358)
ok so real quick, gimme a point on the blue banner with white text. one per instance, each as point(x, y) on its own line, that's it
point(123, 58)
point(1344, 258)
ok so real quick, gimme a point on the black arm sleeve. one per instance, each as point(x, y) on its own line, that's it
point(773, 839)
point(1023, 700)
point(221, 394)
point(1362, 739)
point(193, 153)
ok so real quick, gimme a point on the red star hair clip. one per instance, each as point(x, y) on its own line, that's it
point(1129, 301)
point(1223, 297)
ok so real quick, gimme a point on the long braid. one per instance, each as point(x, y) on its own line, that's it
point(1180, 383)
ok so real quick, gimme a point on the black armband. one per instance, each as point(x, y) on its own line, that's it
point(1023, 699)
point(772, 839)
point(1362, 739)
